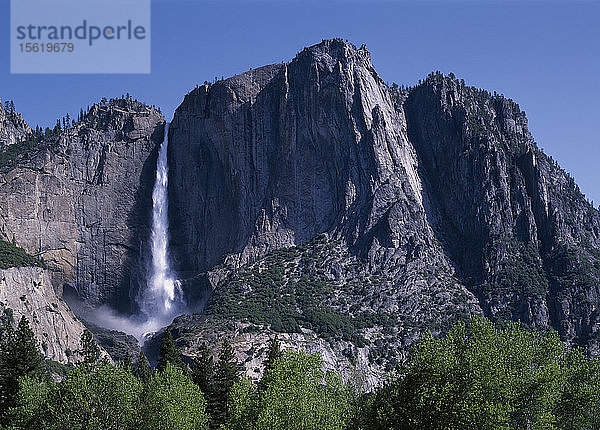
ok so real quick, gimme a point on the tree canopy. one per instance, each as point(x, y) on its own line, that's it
point(296, 394)
point(19, 357)
point(479, 376)
point(483, 377)
point(168, 353)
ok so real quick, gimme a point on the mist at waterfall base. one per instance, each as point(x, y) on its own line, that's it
point(161, 299)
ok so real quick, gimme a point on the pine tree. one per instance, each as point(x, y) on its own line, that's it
point(168, 353)
point(227, 374)
point(89, 348)
point(19, 356)
point(6, 328)
point(142, 368)
point(203, 375)
point(273, 353)
point(127, 361)
point(203, 372)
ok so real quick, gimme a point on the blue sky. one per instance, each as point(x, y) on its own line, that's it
point(544, 55)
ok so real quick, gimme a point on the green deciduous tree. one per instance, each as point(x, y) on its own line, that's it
point(173, 401)
point(483, 377)
point(297, 394)
point(90, 397)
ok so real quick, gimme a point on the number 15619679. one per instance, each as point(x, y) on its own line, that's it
point(47, 47)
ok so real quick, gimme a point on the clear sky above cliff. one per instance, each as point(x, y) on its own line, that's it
point(544, 55)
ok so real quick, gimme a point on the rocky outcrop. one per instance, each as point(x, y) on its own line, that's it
point(526, 241)
point(320, 298)
point(250, 346)
point(438, 191)
point(82, 200)
point(120, 346)
point(27, 291)
point(13, 127)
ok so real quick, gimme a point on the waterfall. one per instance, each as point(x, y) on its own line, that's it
point(162, 299)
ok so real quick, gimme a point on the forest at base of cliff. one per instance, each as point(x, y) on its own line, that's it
point(477, 376)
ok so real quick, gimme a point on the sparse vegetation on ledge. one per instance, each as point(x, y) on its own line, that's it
point(13, 256)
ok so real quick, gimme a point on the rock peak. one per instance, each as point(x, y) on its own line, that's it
point(125, 105)
point(338, 49)
point(13, 127)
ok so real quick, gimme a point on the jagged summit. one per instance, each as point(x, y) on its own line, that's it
point(336, 49)
point(246, 85)
point(107, 113)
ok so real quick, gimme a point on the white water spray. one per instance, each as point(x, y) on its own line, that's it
point(163, 299)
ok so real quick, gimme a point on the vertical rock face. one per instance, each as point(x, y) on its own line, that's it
point(439, 190)
point(28, 292)
point(524, 237)
point(81, 200)
point(345, 211)
point(276, 155)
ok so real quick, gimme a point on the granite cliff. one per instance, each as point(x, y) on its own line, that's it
point(313, 200)
point(27, 291)
point(13, 127)
point(345, 209)
point(77, 198)
point(80, 197)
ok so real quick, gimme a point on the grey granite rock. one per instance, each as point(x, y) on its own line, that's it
point(13, 127)
point(526, 241)
point(274, 156)
point(439, 190)
point(27, 291)
point(82, 201)
point(410, 208)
